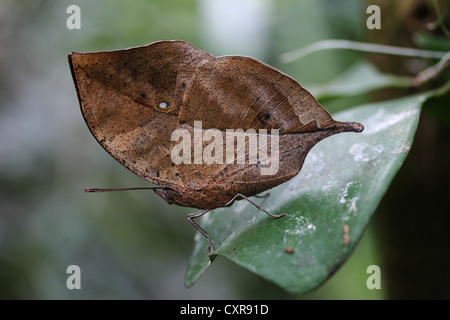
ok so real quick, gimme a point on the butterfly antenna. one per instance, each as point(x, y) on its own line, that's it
point(121, 189)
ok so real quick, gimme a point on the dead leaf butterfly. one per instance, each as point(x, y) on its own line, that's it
point(207, 130)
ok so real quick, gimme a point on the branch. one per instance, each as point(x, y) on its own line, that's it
point(359, 46)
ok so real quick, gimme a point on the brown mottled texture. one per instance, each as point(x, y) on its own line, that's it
point(120, 93)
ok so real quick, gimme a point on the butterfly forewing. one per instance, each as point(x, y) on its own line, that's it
point(121, 94)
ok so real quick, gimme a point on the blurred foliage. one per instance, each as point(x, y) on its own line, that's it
point(132, 244)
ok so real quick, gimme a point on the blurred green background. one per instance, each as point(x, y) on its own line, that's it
point(133, 245)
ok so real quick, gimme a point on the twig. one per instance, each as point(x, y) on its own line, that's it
point(359, 46)
point(441, 16)
point(431, 72)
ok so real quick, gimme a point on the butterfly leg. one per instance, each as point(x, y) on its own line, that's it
point(196, 215)
point(257, 206)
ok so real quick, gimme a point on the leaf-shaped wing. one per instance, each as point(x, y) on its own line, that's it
point(134, 99)
point(131, 100)
point(235, 92)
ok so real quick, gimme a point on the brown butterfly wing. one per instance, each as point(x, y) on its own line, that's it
point(238, 92)
point(133, 100)
point(120, 94)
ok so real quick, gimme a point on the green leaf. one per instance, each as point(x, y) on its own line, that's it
point(360, 78)
point(343, 180)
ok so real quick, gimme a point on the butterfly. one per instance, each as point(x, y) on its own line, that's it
point(152, 106)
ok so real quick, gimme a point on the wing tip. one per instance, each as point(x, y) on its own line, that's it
point(338, 127)
point(353, 127)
